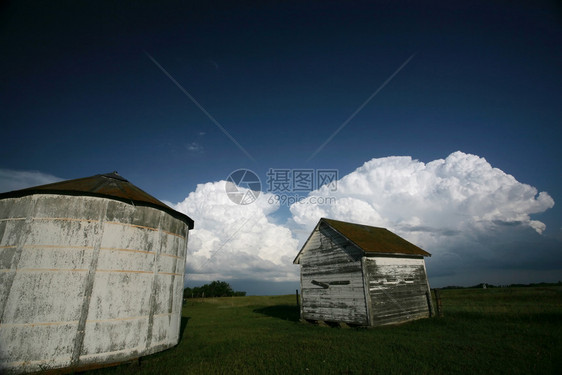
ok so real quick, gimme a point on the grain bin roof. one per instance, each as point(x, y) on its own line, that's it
point(372, 240)
point(109, 185)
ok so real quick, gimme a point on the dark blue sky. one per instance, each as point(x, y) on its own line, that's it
point(79, 96)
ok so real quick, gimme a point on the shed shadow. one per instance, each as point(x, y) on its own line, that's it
point(285, 312)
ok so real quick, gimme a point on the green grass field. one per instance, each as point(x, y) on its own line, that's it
point(483, 331)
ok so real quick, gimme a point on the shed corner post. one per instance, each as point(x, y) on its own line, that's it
point(366, 291)
point(300, 305)
point(439, 312)
point(431, 309)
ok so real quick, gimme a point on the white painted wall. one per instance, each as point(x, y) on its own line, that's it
point(397, 289)
point(87, 280)
point(329, 259)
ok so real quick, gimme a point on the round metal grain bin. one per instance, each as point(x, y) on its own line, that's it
point(91, 273)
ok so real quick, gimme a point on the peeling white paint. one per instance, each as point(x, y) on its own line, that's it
point(339, 283)
point(86, 280)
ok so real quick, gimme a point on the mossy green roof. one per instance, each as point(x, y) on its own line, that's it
point(375, 239)
point(371, 240)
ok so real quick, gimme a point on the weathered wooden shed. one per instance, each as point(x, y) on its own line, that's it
point(363, 275)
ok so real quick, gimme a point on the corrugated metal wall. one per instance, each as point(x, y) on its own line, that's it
point(87, 280)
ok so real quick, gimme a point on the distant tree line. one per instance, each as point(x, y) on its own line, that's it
point(485, 285)
point(214, 289)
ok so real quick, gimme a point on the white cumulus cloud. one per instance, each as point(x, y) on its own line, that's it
point(445, 195)
point(233, 241)
point(459, 208)
point(475, 219)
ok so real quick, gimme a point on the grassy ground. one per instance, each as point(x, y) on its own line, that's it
point(483, 331)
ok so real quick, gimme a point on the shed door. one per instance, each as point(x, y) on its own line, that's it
point(397, 288)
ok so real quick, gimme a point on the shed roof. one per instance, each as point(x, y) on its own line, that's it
point(372, 240)
point(109, 185)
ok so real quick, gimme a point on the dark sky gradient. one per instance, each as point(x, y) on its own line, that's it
point(79, 96)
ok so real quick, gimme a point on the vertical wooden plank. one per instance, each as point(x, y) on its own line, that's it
point(332, 284)
point(430, 302)
point(428, 297)
point(397, 287)
point(438, 303)
point(366, 292)
point(302, 296)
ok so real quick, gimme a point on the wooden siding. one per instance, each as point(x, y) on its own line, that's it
point(332, 287)
point(397, 289)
